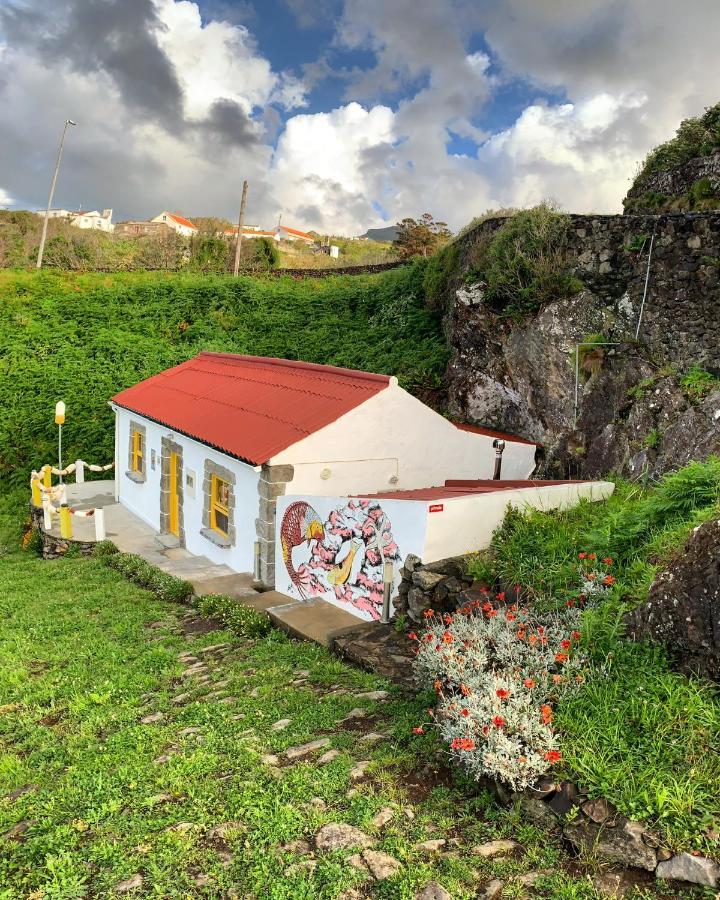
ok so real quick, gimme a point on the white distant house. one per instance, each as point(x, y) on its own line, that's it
point(82, 218)
point(203, 450)
point(283, 233)
point(178, 223)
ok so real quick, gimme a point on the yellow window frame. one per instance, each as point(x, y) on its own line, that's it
point(137, 452)
point(217, 506)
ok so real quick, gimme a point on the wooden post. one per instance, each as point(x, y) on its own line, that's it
point(99, 524)
point(79, 471)
point(47, 516)
point(47, 476)
point(35, 487)
point(65, 522)
point(241, 220)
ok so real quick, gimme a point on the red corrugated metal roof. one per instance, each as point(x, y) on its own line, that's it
point(251, 407)
point(490, 432)
point(302, 234)
point(462, 488)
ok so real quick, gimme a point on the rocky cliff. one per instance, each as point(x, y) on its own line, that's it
point(649, 400)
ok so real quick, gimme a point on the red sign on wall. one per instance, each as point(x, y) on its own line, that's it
point(436, 507)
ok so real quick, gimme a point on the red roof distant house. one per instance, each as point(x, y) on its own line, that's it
point(176, 222)
point(491, 432)
point(282, 231)
point(249, 407)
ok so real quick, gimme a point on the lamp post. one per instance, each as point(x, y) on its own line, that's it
point(60, 421)
point(41, 248)
point(388, 578)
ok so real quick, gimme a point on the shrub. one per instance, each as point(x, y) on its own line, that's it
point(32, 541)
point(143, 573)
point(697, 382)
point(265, 254)
point(104, 548)
point(243, 620)
point(496, 669)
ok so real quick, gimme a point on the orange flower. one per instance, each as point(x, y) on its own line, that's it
point(546, 714)
point(498, 722)
point(438, 686)
point(529, 683)
point(608, 560)
point(533, 639)
point(465, 690)
point(522, 760)
point(429, 613)
point(561, 657)
point(521, 634)
point(557, 679)
point(609, 579)
point(553, 756)
point(510, 617)
point(412, 636)
point(419, 730)
point(502, 693)
point(492, 614)
point(447, 638)
point(592, 556)
point(462, 744)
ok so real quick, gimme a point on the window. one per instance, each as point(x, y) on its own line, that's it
point(138, 452)
point(219, 505)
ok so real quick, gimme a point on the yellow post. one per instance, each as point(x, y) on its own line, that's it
point(47, 476)
point(65, 522)
point(36, 495)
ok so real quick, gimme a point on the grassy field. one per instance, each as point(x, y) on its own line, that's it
point(185, 801)
point(83, 338)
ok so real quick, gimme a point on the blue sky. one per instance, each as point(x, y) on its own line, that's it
point(345, 114)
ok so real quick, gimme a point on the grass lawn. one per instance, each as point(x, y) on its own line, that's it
point(186, 802)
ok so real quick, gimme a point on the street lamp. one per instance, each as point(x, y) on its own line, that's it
point(41, 248)
point(60, 421)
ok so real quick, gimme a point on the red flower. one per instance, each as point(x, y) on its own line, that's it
point(609, 579)
point(502, 693)
point(465, 690)
point(501, 596)
point(465, 712)
point(429, 613)
point(429, 636)
point(462, 744)
point(419, 730)
point(592, 556)
point(553, 756)
point(447, 638)
point(576, 635)
point(529, 683)
point(492, 614)
point(566, 644)
point(510, 617)
point(487, 607)
point(412, 636)
point(561, 657)
point(582, 555)
point(431, 713)
point(498, 722)
point(546, 713)
point(448, 618)
point(608, 560)
point(570, 603)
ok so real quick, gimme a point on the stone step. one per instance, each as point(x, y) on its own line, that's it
point(232, 584)
point(313, 620)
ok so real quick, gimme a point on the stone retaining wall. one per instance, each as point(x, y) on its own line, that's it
point(52, 546)
point(435, 585)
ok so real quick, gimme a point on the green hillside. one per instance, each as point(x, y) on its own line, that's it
point(82, 338)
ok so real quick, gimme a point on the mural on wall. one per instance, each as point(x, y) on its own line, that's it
point(341, 558)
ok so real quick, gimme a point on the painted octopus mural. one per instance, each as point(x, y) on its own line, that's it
point(342, 557)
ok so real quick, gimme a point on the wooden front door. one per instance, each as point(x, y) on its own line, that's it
point(174, 518)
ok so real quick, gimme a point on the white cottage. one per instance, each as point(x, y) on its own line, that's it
point(203, 450)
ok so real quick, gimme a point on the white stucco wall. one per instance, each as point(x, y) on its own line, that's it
point(400, 530)
point(466, 524)
point(395, 436)
point(143, 499)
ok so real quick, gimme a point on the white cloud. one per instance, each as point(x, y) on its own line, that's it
point(5, 198)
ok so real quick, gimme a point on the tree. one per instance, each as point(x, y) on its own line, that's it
point(265, 253)
point(421, 237)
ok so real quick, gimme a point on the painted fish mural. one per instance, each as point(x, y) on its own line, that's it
point(342, 557)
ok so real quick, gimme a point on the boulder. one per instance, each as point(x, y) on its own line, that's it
point(381, 865)
point(624, 843)
point(695, 869)
point(433, 891)
point(682, 611)
point(426, 580)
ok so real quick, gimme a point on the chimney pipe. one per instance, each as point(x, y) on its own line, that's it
point(499, 446)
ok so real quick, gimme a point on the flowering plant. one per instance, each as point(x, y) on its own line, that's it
point(595, 575)
point(497, 668)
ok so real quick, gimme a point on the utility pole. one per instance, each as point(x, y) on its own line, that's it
point(41, 248)
point(241, 220)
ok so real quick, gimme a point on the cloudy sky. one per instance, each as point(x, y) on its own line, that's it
point(345, 114)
